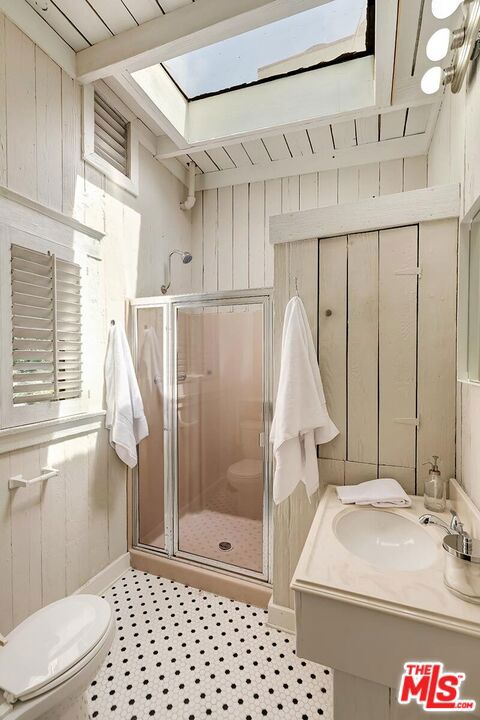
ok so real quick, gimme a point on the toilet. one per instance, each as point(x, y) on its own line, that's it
point(245, 477)
point(50, 659)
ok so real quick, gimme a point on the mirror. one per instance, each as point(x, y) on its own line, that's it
point(469, 292)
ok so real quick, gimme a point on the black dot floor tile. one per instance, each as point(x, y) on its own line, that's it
point(184, 654)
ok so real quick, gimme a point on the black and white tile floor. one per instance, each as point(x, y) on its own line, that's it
point(183, 654)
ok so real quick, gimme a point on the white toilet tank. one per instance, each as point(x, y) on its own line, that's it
point(250, 438)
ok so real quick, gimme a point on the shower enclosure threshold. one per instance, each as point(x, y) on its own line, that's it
point(218, 582)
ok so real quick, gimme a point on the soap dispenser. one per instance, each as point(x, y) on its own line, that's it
point(435, 494)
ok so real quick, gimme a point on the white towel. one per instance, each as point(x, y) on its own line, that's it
point(382, 492)
point(150, 363)
point(301, 420)
point(125, 416)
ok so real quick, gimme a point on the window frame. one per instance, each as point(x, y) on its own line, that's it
point(129, 182)
point(340, 59)
point(15, 415)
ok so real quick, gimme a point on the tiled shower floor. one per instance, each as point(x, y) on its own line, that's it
point(202, 532)
point(183, 654)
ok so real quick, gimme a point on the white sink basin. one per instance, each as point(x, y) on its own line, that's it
point(385, 539)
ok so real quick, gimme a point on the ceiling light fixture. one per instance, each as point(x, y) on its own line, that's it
point(461, 42)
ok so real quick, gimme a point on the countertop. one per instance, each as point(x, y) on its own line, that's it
point(328, 569)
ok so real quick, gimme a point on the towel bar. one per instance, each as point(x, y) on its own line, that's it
point(19, 481)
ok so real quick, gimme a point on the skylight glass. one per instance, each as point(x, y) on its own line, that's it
point(299, 42)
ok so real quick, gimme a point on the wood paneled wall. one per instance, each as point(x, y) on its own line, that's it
point(55, 537)
point(454, 156)
point(230, 225)
point(387, 355)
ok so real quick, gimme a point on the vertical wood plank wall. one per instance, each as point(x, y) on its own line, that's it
point(230, 225)
point(387, 354)
point(53, 538)
point(454, 156)
point(231, 250)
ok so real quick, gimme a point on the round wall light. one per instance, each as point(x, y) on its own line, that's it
point(442, 9)
point(438, 45)
point(432, 80)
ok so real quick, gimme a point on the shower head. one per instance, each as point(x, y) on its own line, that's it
point(186, 258)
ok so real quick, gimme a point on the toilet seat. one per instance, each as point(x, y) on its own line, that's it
point(246, 469)
point(52, 645)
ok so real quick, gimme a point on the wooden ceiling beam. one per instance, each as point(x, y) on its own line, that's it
point(410, 146)
point(180, 31)
point(167, 148)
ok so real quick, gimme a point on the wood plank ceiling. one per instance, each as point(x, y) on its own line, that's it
point(321, 140)
point(82, 23)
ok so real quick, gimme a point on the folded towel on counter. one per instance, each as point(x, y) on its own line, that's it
point(383, 492)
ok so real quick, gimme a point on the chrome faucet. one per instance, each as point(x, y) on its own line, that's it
point(455, 527)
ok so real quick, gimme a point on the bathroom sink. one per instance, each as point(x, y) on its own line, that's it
point(385, 539)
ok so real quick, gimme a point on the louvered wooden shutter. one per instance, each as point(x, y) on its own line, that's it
point(46, 327)
point(68, 350)
point(111, 135)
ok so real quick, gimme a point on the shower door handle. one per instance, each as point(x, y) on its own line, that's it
point(261, 439)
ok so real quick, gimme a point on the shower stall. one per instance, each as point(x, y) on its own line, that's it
point(201, 491)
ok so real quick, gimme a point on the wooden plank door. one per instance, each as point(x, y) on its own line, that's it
point(397, 347)
point(362, 364)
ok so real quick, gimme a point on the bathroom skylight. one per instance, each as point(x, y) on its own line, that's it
point(334, 31)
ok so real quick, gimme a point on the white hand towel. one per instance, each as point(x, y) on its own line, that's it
point(382, 492)
point(125, 416)
point(301, 420)
point(150, 363)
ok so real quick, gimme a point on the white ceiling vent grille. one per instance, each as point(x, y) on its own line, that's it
point(111, 135)
point(46, 327)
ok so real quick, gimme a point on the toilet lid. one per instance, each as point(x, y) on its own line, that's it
point(246, 468)
point(50, 642)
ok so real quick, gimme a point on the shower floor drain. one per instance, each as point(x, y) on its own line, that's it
point(224, 545)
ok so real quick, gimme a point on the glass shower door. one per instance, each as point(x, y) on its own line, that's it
point(219, 411)
point(151, 451)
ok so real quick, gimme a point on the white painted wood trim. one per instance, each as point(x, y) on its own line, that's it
point(166, 147)
point(123, 90)
point(281, 618)
point(49, 431)
point(387, 211)
point(404, 147)
point(8, 196)
point(168, 104)
point(319, 93)
point(385, 36)
point(188, 28)
point(106, 577)
point(176, 169)
point(30, 22)
point(152, 114)
point(464, 291)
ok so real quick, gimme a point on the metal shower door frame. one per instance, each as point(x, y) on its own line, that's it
point(171, 305)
